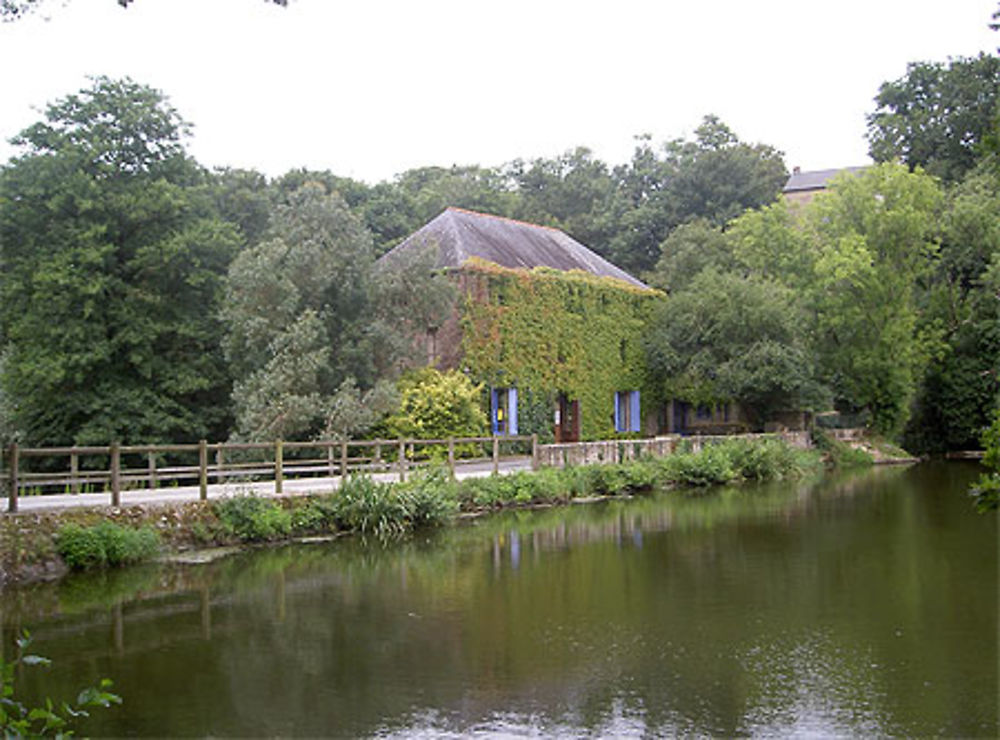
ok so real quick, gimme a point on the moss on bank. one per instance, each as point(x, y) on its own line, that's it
point(30, 543)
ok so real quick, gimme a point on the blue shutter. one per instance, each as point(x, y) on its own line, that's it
point(633, 399)
point(618, 415)
point(512, 411)
point(493, 410)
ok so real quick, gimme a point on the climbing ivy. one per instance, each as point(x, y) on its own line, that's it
point(546, 331)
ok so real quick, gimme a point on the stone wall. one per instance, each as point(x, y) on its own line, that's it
point(618, 450)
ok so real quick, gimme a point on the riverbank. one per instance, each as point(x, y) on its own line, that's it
point(30, 542)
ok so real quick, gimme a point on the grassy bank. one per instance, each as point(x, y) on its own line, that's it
point(44, 545)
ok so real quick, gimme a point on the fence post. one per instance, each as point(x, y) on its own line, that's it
point(12, 500)
point(279, 472)
point(220, 462)
point(451, 456)
point(496, 455)
point(329, 458)
point(203, 469)
point(151, 456)
point(534, 452)
point(74, 473)
point(116, 474)
point(402, 460)
point(343, 458)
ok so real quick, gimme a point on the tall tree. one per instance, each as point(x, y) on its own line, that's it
point(312, 326)
point(961, 388)
point(111, 271)
point(714, 177)
point(293, 305)
point(875, 238)
point(938, 116)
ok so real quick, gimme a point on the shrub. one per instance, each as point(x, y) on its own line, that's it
point(370, 507)
point(712, 466)
point(310, 517)
point(105, 544)
point(762, 460)
point(252, 518)
point(436, 405)
point(431, 498)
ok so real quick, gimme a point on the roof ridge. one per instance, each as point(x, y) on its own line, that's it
point(505, 218)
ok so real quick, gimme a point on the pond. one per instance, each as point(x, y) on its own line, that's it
point(855, 604)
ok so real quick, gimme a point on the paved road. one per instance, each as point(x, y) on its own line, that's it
point(146, 496)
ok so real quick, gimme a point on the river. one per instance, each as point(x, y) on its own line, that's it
point(857, 604)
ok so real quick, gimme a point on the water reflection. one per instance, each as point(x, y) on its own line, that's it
point(810, 608)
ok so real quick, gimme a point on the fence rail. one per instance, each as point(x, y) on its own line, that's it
point(232, 460)
point(223, 462)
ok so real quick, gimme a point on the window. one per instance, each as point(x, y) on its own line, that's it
point(503, 411)
point(627, 415)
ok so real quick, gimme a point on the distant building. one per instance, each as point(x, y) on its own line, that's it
point(802, 186)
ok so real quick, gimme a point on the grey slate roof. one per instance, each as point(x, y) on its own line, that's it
point(460, 235)
point(814, 180)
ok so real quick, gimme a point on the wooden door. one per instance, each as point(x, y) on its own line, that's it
point(567, 421)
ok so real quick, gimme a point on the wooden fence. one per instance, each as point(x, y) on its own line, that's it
point(226, 461)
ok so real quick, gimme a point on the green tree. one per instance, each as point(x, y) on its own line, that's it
point(960, 388)
point(875, 242)
point(294, 307)
point(311, 324)
point(726, 337)
point(714, 177)
point(690, 249)
point(111, 275)
point(938, 115)
point(574, 192)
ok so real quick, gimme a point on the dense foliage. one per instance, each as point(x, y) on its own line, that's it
point(437, 405)
point(105, 545)
point(940, 116)
point(112, 266)
point(987, 489)
point(146, 299)
point(726, 336)
point(550, 333)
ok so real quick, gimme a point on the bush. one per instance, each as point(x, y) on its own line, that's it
point(839, 454)
point(253, 519)
point(436, 405)
point(105, 545)
point(762, 460)
point(369, 507)
point(712, 466)
point(431, 498)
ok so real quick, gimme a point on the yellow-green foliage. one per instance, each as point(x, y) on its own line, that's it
point(548, 331)
point(437, 405)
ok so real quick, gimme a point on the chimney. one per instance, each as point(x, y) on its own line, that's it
point(796, 170)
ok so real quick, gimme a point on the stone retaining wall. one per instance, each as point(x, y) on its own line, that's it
point(618, 450)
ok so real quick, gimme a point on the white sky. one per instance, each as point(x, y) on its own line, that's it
point(370, 89)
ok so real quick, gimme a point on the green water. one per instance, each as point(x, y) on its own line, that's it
point(863, 604)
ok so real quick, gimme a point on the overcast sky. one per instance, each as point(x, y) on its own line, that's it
point(369, 89)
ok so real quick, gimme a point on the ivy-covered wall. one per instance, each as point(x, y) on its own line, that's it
point(545, 331)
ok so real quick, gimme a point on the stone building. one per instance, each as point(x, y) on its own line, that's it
point(550, 327)
point(802, 187)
